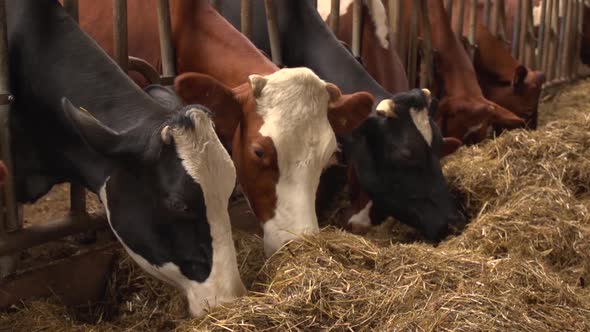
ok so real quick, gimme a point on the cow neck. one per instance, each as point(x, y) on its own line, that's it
point(453, 64)
point(334, 63)
point(207, 43)
point(72, 65)
point(493, 57)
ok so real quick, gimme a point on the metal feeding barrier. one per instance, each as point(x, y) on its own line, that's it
point(14, 238)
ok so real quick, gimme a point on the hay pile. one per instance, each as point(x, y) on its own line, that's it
point(522, 263)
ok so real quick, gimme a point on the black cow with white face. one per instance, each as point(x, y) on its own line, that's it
point(161, 172)
point(399, 168)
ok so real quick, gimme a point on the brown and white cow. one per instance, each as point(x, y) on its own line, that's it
point(464, 112)
point(280, 124)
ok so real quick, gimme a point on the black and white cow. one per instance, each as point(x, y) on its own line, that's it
point(398, 152)
point(161, 173)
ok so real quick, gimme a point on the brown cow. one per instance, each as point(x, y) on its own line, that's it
point(286, 119)
point(3, 173)
point(464, 113)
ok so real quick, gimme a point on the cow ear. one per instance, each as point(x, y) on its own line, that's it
point(202, 89)
point(449, 145)
point(257, 83)
point(98, 136)
point(347, 112)
point(519, 76)
point(164, 96)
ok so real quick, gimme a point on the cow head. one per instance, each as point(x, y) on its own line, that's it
point(395, 155)
point(283, 128)
point(166, 199)
point(470, 119)
point(521, 94)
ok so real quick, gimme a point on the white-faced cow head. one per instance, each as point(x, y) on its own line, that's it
point(282, 127)
point(167, 200)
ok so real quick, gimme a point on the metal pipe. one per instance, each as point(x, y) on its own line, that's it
point(35, 235)
point(335, 16)
point(523, 40)
point(12, 221)
point(120, 32)
point(515, 47)
point(273, 32)
point(528, 35)
point(460, 19)
point(550, 72)
point(71, 6)
point(562, 40)
point(495, 18)
point(165, 31)
point(426, 66)
point(357, 22)
point(541, 39)
point(449, 7)
point(486, 13)
point(412, 44)
point(246, 18)
point(547, 38)
point(472, 27)
point(580, 29)
point(502, 20)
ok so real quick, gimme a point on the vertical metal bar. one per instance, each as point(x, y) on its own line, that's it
point(530, 37)
point(502, 20)
point(449, 7)
point(472, 26)
point(12, 220)
point(486, 13)
point(335, 16)
point(246, 18)
point(77, 192)
point(426, 66)
point(554, 35)
point(580, 30)
point(524, 21)
point(395, 8)
point(547, 38)
point(412, 44)
point(561, 41)
point(71, 6)
point(273, 32)
point(460, 19)
point(165, 31)
point(515, 47)
point(120, 33)
point(495, 18)
point(357, 22)
point(541, 39)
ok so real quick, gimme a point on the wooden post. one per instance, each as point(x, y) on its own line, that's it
point(395, 8)
point(165, 31)
point(570, 43)
point(580, 31)
point(472, 27)
point(357, 22)
point(335, 16)
point(273, 32)
point(449, 7)
point(550, 72)
point(426, 66)
point(486, 13)
point(246, 18)
point(515, 47)
point(562, 40)
point(120, 31)
point(460, 19)
point(412, 44)
point(10, 218)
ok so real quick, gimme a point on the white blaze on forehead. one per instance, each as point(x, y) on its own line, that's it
point(362, 218)
point(376, 11)
point(422, 123)
point(207, 162)
point(293, 105)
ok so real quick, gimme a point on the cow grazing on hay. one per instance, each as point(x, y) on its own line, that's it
point(162, 174)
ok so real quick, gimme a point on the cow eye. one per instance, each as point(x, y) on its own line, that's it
point(259, 152)
point(177, 205)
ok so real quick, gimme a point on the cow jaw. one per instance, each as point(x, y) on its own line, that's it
point(293, 106)
point(205, 160)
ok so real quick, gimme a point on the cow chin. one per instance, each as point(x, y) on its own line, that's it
point(202, 298)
